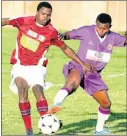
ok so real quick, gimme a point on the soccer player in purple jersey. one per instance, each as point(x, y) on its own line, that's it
point(96, 45)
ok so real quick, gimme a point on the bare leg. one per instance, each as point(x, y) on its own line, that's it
point(71, 84)
point(24, 104)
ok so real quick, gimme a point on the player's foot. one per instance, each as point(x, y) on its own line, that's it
point(104, 132)
point(54, 109)
point(29, 132)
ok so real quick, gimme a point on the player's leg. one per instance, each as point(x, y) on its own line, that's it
point(104, 110)
point(41, 102)
point(72, 82)
point(96, 87)
point(24, 104)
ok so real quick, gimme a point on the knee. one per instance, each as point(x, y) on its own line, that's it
point(23, 95)
point(72, 85)
point(38, 92)
point(106, 104)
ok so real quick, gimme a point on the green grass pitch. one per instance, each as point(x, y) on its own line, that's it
point(79, 111)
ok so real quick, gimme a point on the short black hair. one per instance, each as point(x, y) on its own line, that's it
point(44, 4)
point(104, 18)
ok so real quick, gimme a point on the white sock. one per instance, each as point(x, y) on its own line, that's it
point(101, 121)
point(60, 96)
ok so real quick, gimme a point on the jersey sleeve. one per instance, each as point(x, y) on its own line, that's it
point(119, 40)
point(16, 22)
point(78, 33)
point(55, 41)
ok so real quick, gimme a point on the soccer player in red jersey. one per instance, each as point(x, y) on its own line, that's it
point(35, 35)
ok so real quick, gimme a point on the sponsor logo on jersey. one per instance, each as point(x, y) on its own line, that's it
point(32, 33)
point(98, 56)
point(41, 38)
point(29, 43)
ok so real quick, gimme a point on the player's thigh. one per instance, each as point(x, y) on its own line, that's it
point(102, 98)
point(22, 87)
point(73, 79)
point(21, 83)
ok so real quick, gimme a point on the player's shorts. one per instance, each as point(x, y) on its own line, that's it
point(32, 74)
point(91, 83)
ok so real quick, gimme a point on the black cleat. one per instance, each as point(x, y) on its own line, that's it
point(29, 132)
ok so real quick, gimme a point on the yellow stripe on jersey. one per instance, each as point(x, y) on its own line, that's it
point(29, 43)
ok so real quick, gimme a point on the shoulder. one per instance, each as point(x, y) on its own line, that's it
point(86, 28)
point(22, 17)
point(113, 34)
point(29, 19)
point(52, 28)
point(89, 28)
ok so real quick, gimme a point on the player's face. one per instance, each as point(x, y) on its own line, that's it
point(43, 15)
point(102, 29)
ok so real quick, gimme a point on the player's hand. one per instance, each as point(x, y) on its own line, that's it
point(88, 68)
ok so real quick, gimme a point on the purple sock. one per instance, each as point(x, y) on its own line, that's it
point(66, 89)
point(104, 111)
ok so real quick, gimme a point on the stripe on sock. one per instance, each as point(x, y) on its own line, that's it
point(104, 111)
point(24, 108)
point(42, 106)
point(66, 89)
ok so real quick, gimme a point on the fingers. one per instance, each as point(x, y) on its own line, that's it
point(60, 36)
point(89, 68)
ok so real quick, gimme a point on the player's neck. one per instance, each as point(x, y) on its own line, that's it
point(101, 38)
point(39, 24)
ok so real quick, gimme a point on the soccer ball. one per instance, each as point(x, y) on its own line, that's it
point(49, 124)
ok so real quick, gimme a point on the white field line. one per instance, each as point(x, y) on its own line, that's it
point(117, 75)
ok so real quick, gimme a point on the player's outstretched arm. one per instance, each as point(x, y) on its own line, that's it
point(5, 21)
point(71, 54)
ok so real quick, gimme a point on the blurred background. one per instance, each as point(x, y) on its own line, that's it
point(72, 14)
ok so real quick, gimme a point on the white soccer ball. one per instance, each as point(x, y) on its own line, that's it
point(49, 124)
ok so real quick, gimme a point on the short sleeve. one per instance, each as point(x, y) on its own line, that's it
point(78, 33)
point(119, 40)
point(16, 22)
point(55, 41)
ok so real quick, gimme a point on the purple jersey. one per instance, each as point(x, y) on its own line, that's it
point(92, 49)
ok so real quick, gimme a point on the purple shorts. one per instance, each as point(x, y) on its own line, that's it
point(91, 83)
